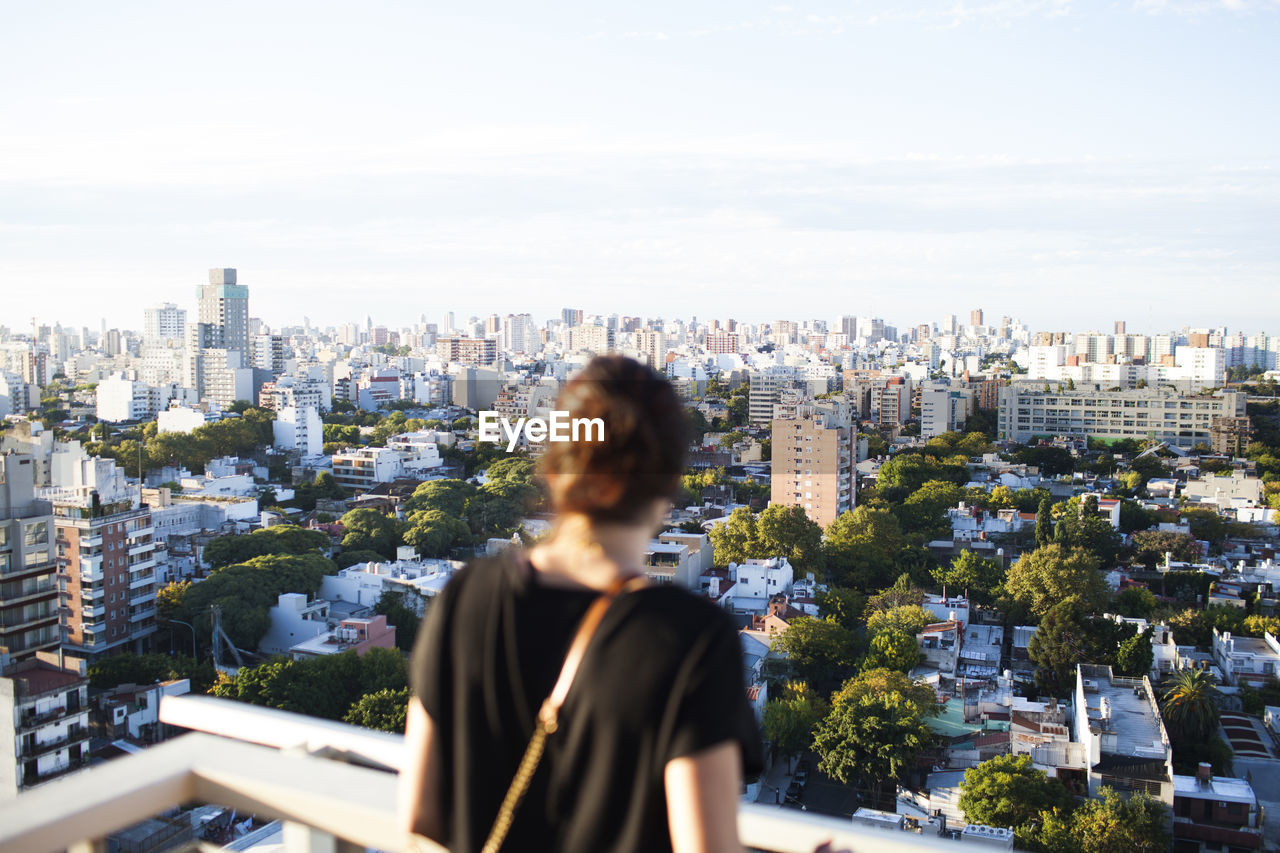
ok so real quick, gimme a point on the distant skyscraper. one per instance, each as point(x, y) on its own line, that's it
point(975, 317)
point(225, 303)
point(571, 316)
point(1120, 329)
point(165, 322)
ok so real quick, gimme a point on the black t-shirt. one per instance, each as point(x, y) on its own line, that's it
point(661, 679)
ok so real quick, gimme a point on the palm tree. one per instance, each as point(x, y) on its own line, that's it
point(1191, 704)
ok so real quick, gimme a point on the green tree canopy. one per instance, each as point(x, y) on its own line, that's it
point(1080, 526)
point(844, 605)
point(278, 539)
point(790, 718)
point(893, 649)
point(384, 710)
point(820, 651)
point(371, 530)
point(1060, 642)
point(871, 742)
point(246, 591)
point(1008, 791)
point(861, 545)
point(434, 533)
point(908, 619)
point(1190, 705)
point(787, 531)
point(978, 577)
point(884, 682)
point(736, 539)
point(325, 686)
point(1052, 574)
point(1135, 655)
point(1110, 823)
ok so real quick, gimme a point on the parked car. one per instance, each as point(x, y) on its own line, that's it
point(793, 793)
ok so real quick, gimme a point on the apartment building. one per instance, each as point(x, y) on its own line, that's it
point(28, 572)
point(1028, 412)
point(943, 408)
point(44, 720)
point(474, 351)
point(593, 339)
point(365, 467)
point(813, 464)
point(1118, 720)
point(106, 553)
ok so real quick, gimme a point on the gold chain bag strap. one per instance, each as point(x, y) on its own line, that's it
point(548, 715)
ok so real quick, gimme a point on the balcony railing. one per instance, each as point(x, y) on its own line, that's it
point(281, 766)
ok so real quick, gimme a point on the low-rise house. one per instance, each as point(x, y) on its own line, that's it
point(1246, 660)
point(133, 711)
point(1215, 813)
point(939, 645)
point(355, 634)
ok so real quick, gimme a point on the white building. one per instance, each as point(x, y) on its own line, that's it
point(44, 720)
point(756, 580)
point(1246, 660)
point(365, 467)
point(299, 429)
point(294, 620)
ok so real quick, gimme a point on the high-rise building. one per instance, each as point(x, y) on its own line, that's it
point(224, 303)
point(571, 316)
point(975, 317)
point(1120, 327)
point(519, 334)
point(653, 349)
point(723, 342)
point(594, 339)
point(28, 582)
point(107, 556)
point(813, 461)
point(44, 720)
point(476, 351)
point(164, 322)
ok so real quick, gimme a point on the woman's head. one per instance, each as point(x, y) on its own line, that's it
point(641, 458)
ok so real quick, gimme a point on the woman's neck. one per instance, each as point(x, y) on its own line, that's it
point(591, 554)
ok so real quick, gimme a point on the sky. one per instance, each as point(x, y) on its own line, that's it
point(1064, 163)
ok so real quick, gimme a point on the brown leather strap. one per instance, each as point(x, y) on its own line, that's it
point(578, 648)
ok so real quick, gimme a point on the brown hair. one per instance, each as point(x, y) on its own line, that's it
point(645, 435)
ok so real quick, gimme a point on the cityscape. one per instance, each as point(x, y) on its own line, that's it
point(1048, 556)
point(957, 327)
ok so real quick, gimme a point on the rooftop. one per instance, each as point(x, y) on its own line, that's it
point(1219, 788)
point(1132, 717)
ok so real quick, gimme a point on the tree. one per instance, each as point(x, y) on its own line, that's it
point(169, 598)
point(980, 578)
point(909, 471)
point(901, 594)
point(1150, 547)
point(861, 545)
point(1189, 705)
point(1059, 643)
point(1051, 461)
point(1052, 574)
point(246, 591)
point(1080, 526)
point(894, 649)
point(820, 651)
point(434, 533)
point(1044, 524)
point(736, 539)
point(787, 531)
point(1206, 524)
point(1257, 625)
point(924, 512)
point(351, 558)
point(885, 682)
point(1136, 655)
point(370, 530)
point(448, 496)
point(404, 619)
point(1135, 602)
point(325, 687)
point(843, 605)
point(130, 668)
point(908, 619)
point(279, 539)
point(1110, 823)
point(789, 719)
point(384, 710)
point(870, 741)
point(1008, 791)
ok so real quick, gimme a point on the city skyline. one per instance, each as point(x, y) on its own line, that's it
point(1046, 160)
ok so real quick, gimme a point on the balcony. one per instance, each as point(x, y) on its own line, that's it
point(32, 748)
point(282, 766)
point(35, 721)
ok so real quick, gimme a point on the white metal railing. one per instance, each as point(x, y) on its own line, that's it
point(277, 765)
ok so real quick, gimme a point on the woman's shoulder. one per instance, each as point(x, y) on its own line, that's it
point(682, 611)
